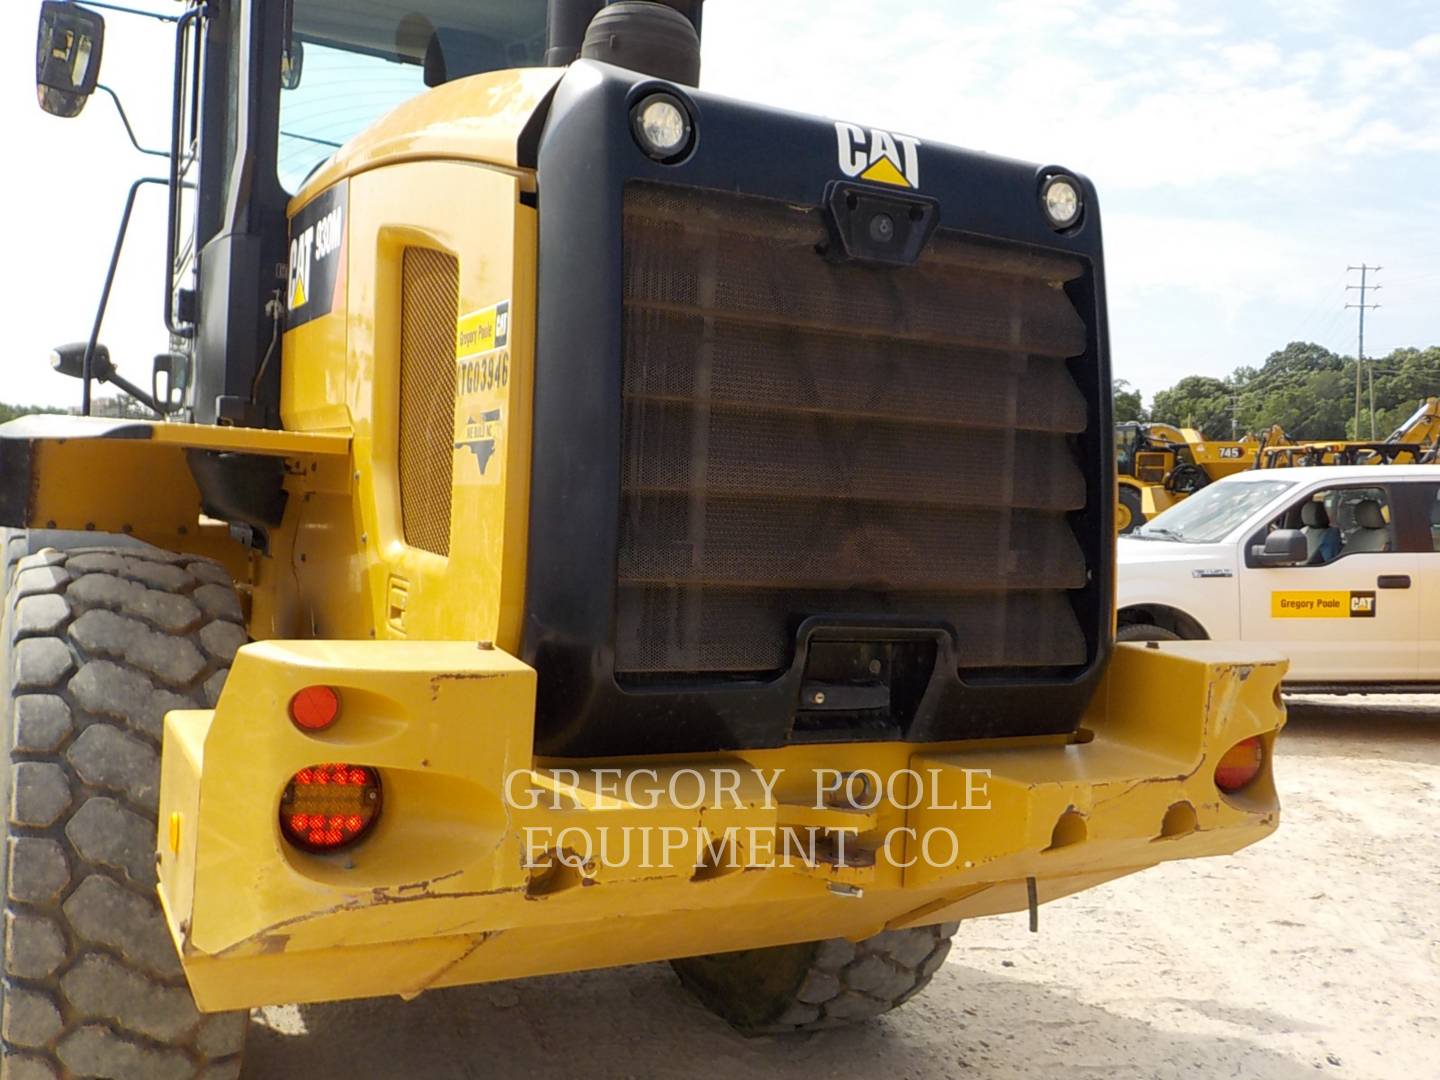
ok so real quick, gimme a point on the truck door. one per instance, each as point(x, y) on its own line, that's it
point(1352, 613)
point(1429, 559)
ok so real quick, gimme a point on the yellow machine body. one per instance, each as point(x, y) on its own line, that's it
point(488, 862)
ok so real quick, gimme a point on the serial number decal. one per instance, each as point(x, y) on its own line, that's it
point(482, 393)
point(1322, 605)
point(484, 373)
point(1231, 453)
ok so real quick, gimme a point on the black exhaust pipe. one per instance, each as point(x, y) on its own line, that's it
point(656, 38)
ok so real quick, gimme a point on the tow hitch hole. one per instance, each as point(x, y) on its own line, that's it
point(1070, 829)
point(1180, 820)
point(554, 872)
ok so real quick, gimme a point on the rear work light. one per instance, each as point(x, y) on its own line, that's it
point(315, 708)
point(1240, 765)
point(331, 806)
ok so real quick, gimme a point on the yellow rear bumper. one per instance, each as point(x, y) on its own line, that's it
point(487, 864)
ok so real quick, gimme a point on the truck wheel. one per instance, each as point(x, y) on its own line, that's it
point(1130, 513)
point(97, 645)
point(1145, 632)
point(817, 984)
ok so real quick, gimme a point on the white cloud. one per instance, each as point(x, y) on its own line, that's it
point(1244, 154)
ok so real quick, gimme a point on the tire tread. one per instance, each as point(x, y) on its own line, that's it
point(817, 985)
point(99, 643)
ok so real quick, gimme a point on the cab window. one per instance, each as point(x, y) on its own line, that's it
point(1435, 521)
point(1341, 521)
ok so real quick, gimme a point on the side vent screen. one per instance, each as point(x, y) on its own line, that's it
point(429, 299)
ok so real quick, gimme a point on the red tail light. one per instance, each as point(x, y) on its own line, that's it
point(330, 806)
point(315, 708)
point(1240, 765)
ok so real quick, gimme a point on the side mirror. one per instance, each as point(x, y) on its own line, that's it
point(67, 56)
point(292, 65)
point(1283, 547)
point(70, 360)
point(169, 379)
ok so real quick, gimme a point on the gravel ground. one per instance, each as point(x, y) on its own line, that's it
point(1315, 952)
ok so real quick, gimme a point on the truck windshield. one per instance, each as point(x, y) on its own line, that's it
point(1212, 513)
point(358, 59)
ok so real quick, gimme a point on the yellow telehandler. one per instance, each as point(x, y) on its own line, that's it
point(586, 521)
point(1158, 464)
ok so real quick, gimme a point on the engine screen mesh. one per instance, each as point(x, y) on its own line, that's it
point(804, 437)
point(429, 299)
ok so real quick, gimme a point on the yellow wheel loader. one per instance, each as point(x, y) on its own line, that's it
point(586, 521)
point(1157, 465)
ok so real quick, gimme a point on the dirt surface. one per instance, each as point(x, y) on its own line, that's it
point(1315, 952)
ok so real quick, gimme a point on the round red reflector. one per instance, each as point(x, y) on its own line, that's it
point(1240, 765)
point(330, 806)
point(315, 708)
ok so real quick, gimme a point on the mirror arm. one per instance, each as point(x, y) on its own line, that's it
point(135, 392)
point(124, 119)
point(87, 367)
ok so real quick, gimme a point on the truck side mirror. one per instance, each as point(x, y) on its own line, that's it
point(67, 56)
point(1283, 547)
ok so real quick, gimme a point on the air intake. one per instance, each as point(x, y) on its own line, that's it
point(429, 299)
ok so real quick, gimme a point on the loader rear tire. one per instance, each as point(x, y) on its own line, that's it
point(97, 644)
point(817, 984)
point(1130, 512)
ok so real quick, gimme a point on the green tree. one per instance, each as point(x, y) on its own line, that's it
point(1308, 391)
point(10, 412)
point(1128, 403)
point(1197, 401)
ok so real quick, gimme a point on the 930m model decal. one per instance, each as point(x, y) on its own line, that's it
point(881, 157)
point(1322, 605)
point(317, 257)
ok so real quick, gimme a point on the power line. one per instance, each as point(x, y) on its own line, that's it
point(1362, 307)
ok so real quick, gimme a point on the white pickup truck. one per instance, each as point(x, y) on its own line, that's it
point(1336, 567)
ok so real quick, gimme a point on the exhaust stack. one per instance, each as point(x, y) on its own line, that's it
point(655, 38)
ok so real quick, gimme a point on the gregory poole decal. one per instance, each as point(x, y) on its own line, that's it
point(881, 157)
point(1322, 605)
point(483, 330)
point(317, 257)
point(482, 390)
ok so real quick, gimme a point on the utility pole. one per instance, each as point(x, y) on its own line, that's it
point(1364, 287)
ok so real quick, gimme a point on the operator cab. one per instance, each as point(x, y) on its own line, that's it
point(265, 92)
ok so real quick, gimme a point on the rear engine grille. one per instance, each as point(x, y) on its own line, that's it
point(808, 438)
point(429, 298)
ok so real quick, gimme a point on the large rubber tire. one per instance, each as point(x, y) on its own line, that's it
point(818, 984)
point(1130, 503)
point(97, 645)
point(1145, 632)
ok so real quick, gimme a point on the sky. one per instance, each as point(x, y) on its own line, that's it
point(1246, 153)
